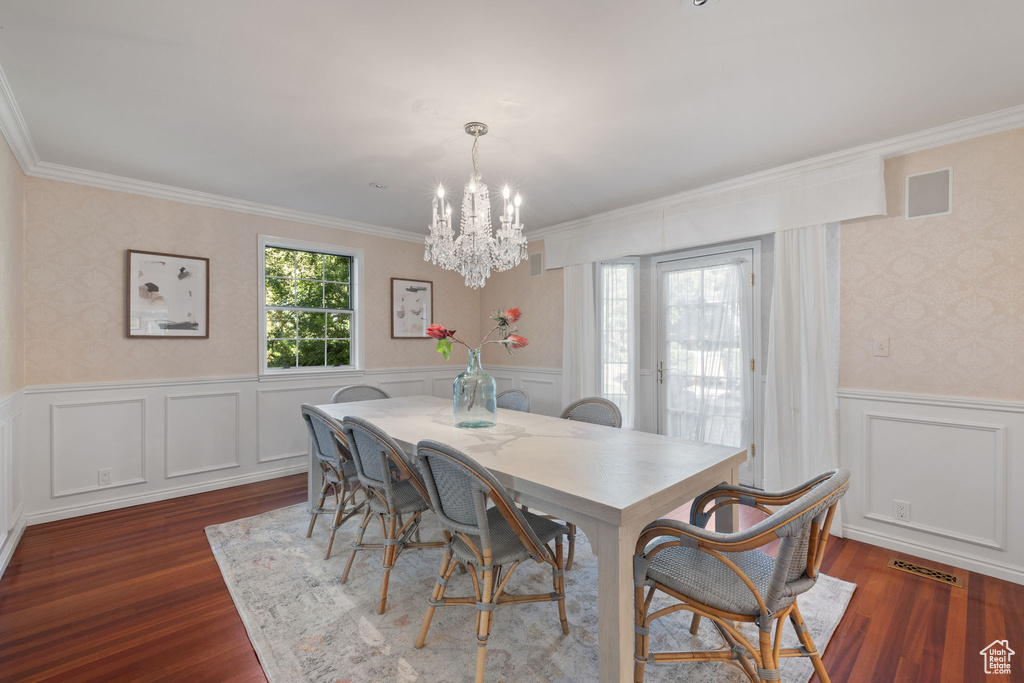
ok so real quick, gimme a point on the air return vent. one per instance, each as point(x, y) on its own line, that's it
point(930, 194)
point(927, 572)
point(537, 264)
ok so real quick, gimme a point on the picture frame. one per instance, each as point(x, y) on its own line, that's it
point(167, 296)
point(412, 308)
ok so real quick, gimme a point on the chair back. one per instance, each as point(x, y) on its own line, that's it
point(380, 462)
point(358, 392)
point(326, 433)
point(803, 528)
point(514, 399)
point(459, 489)
point(595, 410)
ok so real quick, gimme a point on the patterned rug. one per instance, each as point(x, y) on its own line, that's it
point(306, 626)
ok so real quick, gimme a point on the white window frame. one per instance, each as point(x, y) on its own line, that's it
point(632, 368)
point(751, 473)
point(356, 298)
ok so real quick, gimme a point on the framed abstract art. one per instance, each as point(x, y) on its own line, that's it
point(168, 296)
point(412, 308)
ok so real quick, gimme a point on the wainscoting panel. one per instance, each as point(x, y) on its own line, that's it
point(89, 436)
point(12, 516)
point(280, 429)
point(203, 433)
point(407, 387)
point(168, 438)
point(953, 461)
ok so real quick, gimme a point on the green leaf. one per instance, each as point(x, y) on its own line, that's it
point(444, 347)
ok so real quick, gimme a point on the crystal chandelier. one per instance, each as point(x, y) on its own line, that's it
point(476, 251)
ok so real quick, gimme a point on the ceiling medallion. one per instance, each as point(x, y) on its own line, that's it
point(476, 251)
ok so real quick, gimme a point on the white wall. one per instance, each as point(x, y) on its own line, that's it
point(12, 511)
point(950, 458)
point(163, 439)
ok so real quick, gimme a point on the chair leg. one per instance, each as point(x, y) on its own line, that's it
point(319, 506)
point(558, 579)
point(572, 545)
point(440, 586)
point(484, 621)
point(695, 624)
point(359, 541)
point(641, 643)
point(768, 661)
point(338, 511)
point(388, 561)
point(805, 640)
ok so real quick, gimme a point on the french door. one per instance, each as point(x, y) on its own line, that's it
point(705, 350)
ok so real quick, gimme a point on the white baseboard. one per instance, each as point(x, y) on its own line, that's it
point(55, 514)
point(11, 541)
point(956, 559)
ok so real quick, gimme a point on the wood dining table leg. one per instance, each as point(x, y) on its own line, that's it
point(614, 546)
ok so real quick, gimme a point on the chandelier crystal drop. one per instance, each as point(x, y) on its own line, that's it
point(476, 251)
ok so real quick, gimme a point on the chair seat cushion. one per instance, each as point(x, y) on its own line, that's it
point(710, 581)
point(506, 547)
point(407, 499)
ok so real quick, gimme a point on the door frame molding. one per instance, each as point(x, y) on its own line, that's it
point(757, 381)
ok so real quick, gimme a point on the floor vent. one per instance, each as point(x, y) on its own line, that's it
point(927, 572)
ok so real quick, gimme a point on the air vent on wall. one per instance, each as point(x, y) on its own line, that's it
point(537, 264)
point(930, 194)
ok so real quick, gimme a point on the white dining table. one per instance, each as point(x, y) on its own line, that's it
point(610, 482)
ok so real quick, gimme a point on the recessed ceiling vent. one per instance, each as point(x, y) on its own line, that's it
point(930, 194)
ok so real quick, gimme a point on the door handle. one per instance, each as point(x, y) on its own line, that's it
point(661, 372)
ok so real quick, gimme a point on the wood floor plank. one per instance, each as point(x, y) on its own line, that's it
point(135, 594)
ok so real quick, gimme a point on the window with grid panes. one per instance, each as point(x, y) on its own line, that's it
point(309, 308)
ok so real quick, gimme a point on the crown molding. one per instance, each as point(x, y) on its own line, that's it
point(957, 131)
point(15, 130)
point(12, 125)
point(106, 181)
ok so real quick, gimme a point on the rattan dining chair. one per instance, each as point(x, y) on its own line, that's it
point(395, 495)
point(726, 578)
point(336, 467)
point(595, 410)
point(358, 392)
point(492, 542)
point(514, 399)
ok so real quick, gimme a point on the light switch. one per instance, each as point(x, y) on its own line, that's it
point(881, 346)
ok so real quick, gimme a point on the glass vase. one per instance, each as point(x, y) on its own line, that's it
point(475, 396)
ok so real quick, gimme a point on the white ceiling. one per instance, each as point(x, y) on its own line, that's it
point(592, 104)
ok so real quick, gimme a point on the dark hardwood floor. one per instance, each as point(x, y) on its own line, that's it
point(135, 594)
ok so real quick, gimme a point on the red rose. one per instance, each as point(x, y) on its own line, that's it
point(513, 314)
point(439, 332)
point(517, 342)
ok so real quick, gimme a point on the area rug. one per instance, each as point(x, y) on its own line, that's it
point(306, 626)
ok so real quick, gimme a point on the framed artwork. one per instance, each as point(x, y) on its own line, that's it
point(168, 296)
point(412, 308)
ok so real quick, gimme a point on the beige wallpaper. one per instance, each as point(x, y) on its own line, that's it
point(12, 346)
point(540, 299)
point(947, 290)
point(75, 242)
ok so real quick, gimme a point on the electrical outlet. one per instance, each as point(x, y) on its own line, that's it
point(902, 510)
point(880, 346)
point(104, 476)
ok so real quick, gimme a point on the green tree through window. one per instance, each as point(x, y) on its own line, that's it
point(309, 308)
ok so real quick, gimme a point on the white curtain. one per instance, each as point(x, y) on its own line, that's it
point(799, 410)
point(617, 350)
point(579, 337)
point(708, 373)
